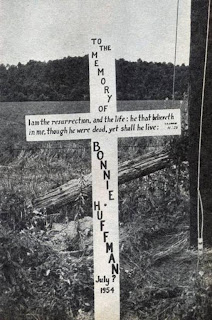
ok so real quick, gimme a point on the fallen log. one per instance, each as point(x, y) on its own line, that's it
point(127, 171)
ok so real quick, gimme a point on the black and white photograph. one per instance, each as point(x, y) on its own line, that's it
point(105, 160)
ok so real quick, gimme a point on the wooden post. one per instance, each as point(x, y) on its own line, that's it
point(127, 171)
point(199, 16)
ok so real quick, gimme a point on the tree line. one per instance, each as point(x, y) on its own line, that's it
point(68, 79)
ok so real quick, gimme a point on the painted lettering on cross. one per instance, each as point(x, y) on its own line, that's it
point(101, 70)
point(104, 167)
point(106, 234)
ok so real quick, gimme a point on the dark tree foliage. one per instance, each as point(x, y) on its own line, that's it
point(143, 80)
point(68, 79)
point(64, 79)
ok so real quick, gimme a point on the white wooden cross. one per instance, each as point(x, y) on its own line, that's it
point(103, 125)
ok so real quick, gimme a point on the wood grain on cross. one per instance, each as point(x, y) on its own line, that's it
point(104, 125)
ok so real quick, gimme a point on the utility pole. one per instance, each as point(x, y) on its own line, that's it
point(199, 21)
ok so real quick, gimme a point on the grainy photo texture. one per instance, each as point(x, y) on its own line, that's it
point(105, 160)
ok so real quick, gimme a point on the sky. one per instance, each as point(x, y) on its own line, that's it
point(52, 29)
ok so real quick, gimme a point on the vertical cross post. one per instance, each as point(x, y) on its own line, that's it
point(104, 183)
